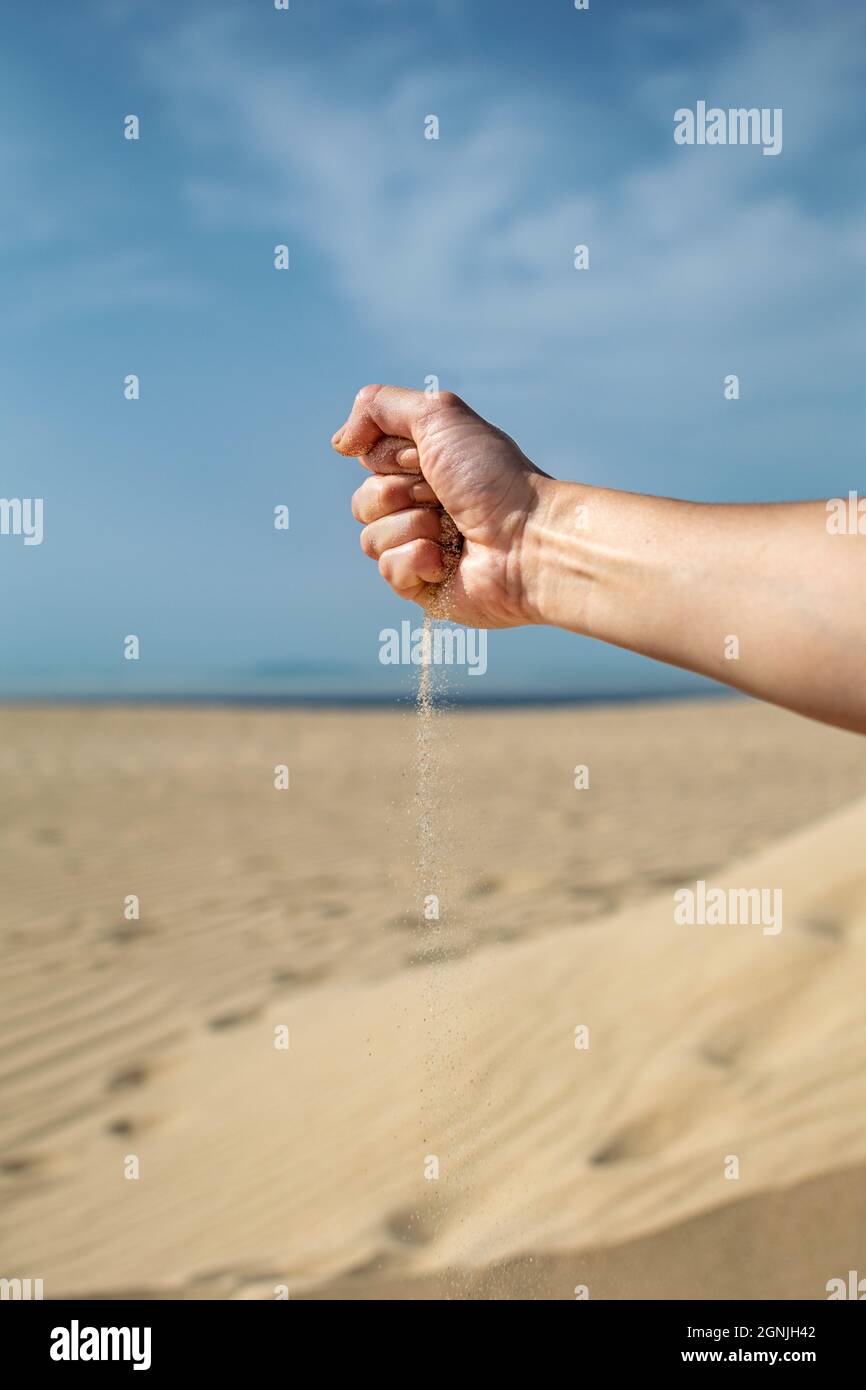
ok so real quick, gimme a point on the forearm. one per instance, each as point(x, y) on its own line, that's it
point(760, 597)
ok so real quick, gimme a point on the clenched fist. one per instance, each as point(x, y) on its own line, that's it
point(432, 454)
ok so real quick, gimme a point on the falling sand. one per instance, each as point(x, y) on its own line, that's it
point(431, 793)
point(435, 793)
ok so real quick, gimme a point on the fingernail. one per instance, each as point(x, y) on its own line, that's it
point(420, 492)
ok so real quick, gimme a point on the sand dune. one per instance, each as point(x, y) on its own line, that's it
point(774, 1245)
point(557, 1166)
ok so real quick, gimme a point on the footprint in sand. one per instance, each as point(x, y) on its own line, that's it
point(299, 977)
point(235, 1019)
point(122, 1127)
point(125, 935)
point(641, 1139)
point(128, 1078)
point(483, 887)
point(409, 1227)
point(19, 1166)
point(826, 925)
point(48, 835)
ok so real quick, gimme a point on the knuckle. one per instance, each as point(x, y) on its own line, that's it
point(436, 406)
point(367, 394)
point(422, 551)
point(392, 491)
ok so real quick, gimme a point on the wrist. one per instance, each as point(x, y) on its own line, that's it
point(556, 562)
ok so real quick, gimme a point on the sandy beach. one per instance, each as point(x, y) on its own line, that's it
point(303, 1168)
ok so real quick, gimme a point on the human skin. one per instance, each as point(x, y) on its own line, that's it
point(671, 579)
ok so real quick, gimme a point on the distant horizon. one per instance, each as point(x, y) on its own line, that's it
point(332, 701)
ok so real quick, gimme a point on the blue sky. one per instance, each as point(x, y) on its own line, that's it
point(409, 257)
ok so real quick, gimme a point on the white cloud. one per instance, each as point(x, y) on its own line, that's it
point(461, 250)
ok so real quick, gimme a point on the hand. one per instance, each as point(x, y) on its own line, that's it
point(428, 453)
